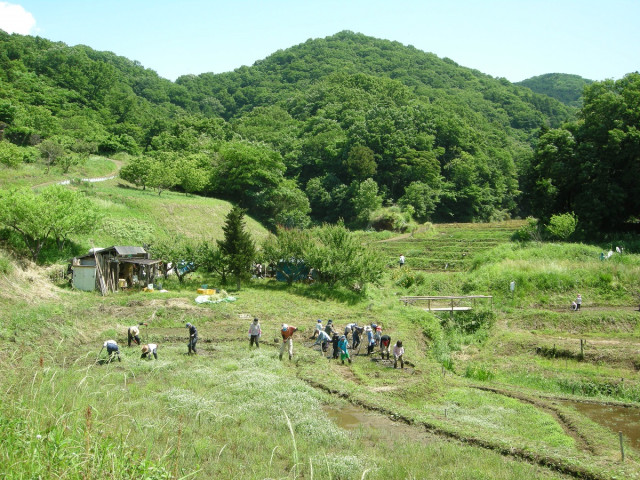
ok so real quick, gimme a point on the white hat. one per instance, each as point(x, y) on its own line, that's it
point(285, 327)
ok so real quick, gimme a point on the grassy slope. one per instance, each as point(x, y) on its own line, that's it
point(223, 413)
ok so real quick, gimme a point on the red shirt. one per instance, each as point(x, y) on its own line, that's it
point(286, 334)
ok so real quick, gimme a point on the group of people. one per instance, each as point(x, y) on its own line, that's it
point(323, 336)
point(148, 349)
point(372, 335)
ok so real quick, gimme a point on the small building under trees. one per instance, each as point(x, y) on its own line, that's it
point(113, 268)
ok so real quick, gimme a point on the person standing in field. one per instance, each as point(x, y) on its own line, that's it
point(357, 331)
point(343, 345)
point(149, 349)
point(255, 332)
point(385, 345)
point(377, 334)
point(287, 339)
point(193, 338)
point(578, 302)
point(371, 342)
point(329, 330)
point(335, 340)
point(401, 261)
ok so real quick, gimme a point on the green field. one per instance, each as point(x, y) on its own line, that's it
point(485, 394)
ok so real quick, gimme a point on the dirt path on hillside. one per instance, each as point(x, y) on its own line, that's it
point(110, 176)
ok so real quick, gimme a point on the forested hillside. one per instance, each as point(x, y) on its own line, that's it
point(562, 86)
point(332, 128)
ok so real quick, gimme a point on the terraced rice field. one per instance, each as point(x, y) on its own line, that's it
point(447, 246)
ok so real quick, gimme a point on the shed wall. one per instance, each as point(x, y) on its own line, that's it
point(84, 278)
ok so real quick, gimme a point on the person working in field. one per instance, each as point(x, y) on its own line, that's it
point(287, 339)
point(357, 332)
point(319, 328)
point(348, 329)
point(385, 345)
point(371, 342)
point(335, 340)
point(323, 340)
point(329, 330)
point(255, 332)
point(193, 338)
point(112, 350)
point(133, 334)
point(398, 354)
point(149, 349)
point(343, 345)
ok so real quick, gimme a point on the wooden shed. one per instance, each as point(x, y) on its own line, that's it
point(113, 268)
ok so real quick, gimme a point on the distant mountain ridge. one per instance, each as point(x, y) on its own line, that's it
point(328, 129)
point(564, 87)
point(294, 69)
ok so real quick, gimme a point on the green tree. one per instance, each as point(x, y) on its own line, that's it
point(162, 173)
point(137, 171)
point(192, 172)
point(563, 225)
point(422, 198)
point(51, 150)
point(237, 247)
point(287, 250)
point(361, 163)
point(244, 171)
point(181, 252)
point(56, 212)
point(339, 258)
point(10, 155)
point(214, 260)
point(25, 212)
point(366, 200)
point(71, 212)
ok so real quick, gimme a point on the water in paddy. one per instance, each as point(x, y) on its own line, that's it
point(617, 418)
point(352, 417)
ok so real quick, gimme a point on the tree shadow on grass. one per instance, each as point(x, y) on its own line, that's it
point(316, 291)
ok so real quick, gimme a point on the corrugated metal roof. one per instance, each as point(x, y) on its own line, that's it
point(129, 250)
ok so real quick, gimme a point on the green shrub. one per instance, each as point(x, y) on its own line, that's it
point(562, 226)
point(479, 372)
point(6, 266)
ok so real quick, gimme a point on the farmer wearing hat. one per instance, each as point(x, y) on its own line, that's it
point(371, 342)
point(254, 333)
point(149, 349)
point(193, 338)
point(343, 345)
point(329, 330)
point(287, 339)
point(357, 332)
point(133, 334)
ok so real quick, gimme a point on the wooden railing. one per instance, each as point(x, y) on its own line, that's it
point(435, 303)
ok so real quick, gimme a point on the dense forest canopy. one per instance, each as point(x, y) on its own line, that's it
point(328, 129)
point(562, 86)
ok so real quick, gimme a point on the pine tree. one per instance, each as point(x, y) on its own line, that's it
point(237, 245)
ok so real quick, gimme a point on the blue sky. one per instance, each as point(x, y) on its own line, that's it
point(515, 39)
